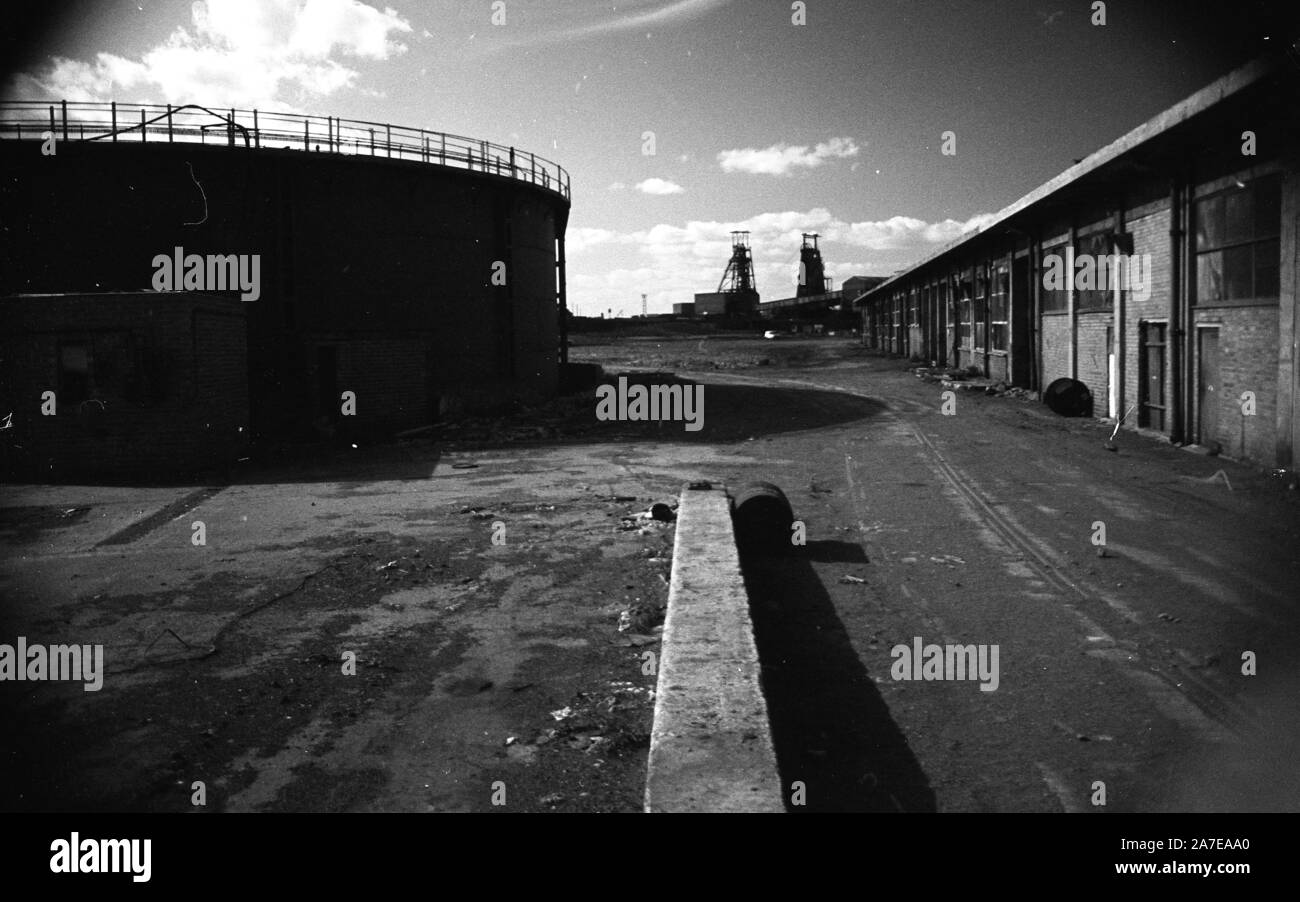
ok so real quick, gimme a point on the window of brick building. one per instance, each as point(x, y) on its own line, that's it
point(1238, 253)
point(1096, 247)
point(980, 312)
point(998, 304)
point(965, 292)
point(1053, 300)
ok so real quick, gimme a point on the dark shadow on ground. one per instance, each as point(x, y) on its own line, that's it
point(831, 728)
point(731, 413)
point(831, 551)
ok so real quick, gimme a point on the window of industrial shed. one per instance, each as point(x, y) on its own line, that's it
point(998, 305)
point(1054, 300)
point(981, 307)
point(896, 334)
point(965, 290)
point(1238, 248)
point(1094, 247)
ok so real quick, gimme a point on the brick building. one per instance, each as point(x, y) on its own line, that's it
point(1197, 332)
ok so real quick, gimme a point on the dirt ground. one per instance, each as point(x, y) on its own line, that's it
point(477, 664)
point(497, 672)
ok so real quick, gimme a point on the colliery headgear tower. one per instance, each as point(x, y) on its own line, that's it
point(737, 293)
point(739, 276)
point(812, 272)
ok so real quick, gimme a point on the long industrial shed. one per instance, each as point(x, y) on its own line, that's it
point(1201, 343)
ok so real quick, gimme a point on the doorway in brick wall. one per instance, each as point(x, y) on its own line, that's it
point(1208, 387)
point(1021, 318)
point(1151, 375)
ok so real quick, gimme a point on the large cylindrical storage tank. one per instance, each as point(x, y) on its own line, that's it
point(420, 288)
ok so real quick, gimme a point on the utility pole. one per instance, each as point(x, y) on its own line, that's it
point(643, 306)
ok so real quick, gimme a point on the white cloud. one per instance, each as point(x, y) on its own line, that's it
point(243, 53)
point(579, 239)
point(783, 159)
point(652, 14)
point(659, 187)
point(902, 232)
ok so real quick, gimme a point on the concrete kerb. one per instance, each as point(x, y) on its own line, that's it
point(711, 745)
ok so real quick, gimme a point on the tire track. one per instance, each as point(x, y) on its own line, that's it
point(1221, 709)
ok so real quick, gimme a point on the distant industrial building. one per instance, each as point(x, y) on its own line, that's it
point(856, 286)
point(1192, 325)
point(685, 309)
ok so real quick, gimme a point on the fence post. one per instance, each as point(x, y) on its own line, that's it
point(388, 139)
point(512, 163)
point(143, 138)
point(257, 132)
point(113, 120)
point(230, 129)
point(306, 134)
point(64, 104)
point(442, 154)
point(169, 124)
point(20, 124)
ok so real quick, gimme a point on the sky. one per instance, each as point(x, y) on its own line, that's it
point(682, 120)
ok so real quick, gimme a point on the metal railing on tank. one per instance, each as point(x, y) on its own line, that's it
point(255, 129)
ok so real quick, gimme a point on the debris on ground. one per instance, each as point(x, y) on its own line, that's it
point(648, 521)
point(663, 512)
point(640, 618)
